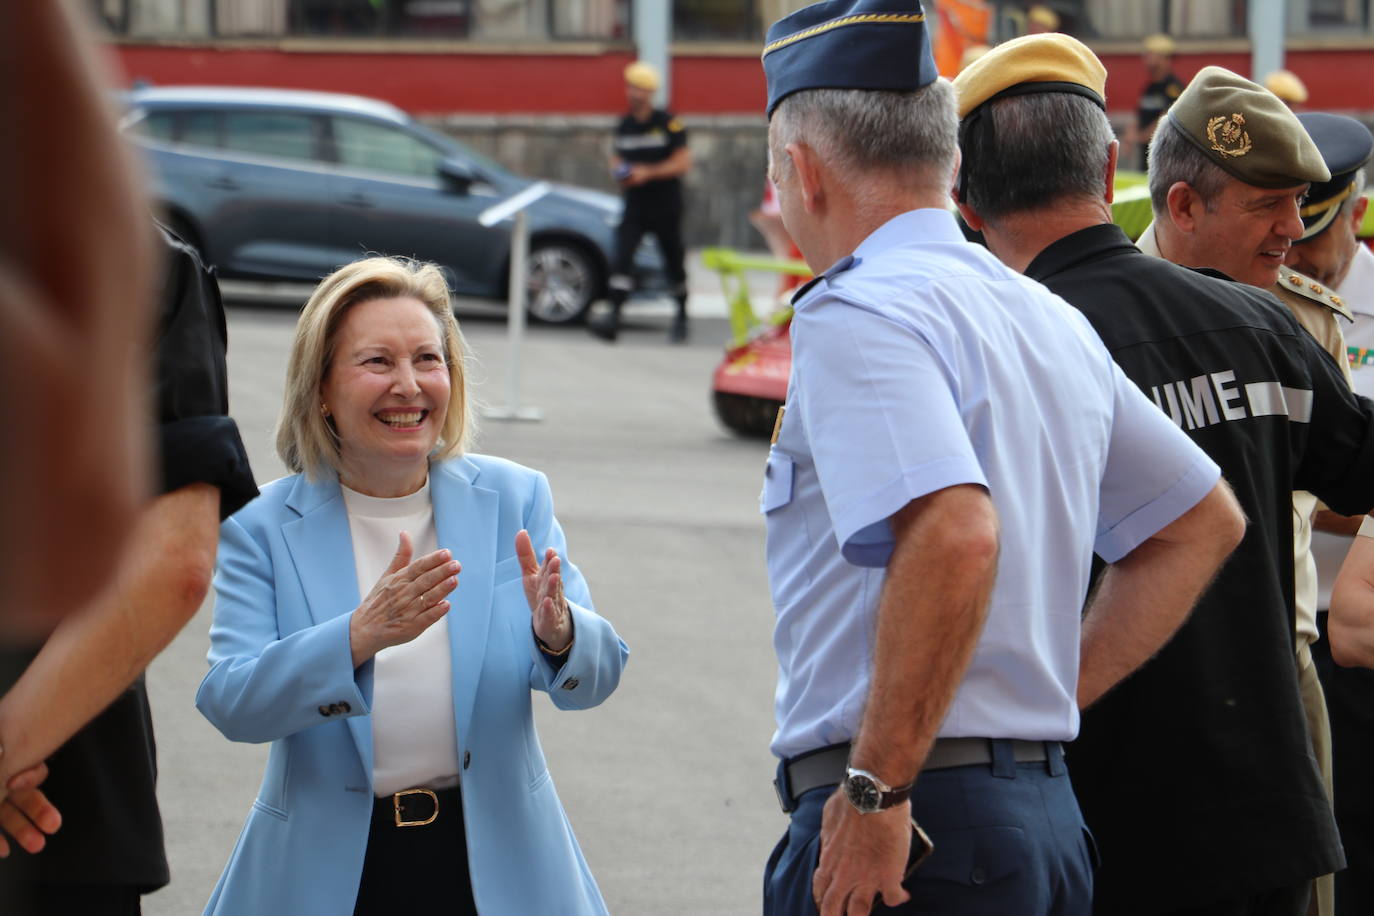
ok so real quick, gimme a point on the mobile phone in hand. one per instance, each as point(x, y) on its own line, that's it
point(921, 848)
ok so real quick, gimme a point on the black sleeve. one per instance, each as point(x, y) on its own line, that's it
point(677, 133)
point(1334, 454)
point(198, 441)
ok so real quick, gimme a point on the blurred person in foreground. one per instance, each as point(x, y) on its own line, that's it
point(1229, 170)
point(1331, 253)
point(955, 445)
point(405, 772)
point(1223, 693)
point(1159, 93)
point(649, 159)
point(76, 296)
point(97, 740)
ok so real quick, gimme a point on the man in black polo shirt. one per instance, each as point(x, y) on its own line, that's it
point(109, 849)
point(649, 160)
point(1159, 93)
point(1196, 773)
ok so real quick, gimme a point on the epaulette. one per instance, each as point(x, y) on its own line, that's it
point(1293, 282)
point(839, 267)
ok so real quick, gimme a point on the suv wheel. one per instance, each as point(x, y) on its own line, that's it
point(563, 280)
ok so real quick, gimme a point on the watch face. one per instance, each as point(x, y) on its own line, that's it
point(862, 792)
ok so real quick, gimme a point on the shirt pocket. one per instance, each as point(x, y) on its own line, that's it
point(777, 482)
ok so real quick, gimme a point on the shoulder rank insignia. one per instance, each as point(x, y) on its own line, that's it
point(1294, 282)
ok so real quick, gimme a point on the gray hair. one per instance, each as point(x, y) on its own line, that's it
point(1356, 191)
point(1015, 161)
point(862, 130)
point(1174, 158)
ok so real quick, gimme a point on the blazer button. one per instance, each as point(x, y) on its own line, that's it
point(345, 707)
point(467, 759)
point(324, 711)
point(571, 683)
point(334, 709)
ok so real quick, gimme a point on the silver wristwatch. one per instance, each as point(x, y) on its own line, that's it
point(869, 794)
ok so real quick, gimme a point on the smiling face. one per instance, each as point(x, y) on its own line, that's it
point(387, 392)
point(1247, 232)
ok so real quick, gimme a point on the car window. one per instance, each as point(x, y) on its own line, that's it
point(269, 133)
point(368, 145)
point(199, 128)
point(157, 126)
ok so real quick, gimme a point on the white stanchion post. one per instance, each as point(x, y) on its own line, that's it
point(518, 294)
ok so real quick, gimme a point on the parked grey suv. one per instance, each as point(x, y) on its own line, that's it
point(274, 184)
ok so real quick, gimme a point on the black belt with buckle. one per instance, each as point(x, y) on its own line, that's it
point(416, 807)
point(826, 766)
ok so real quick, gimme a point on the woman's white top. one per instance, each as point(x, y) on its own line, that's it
point(414, 738)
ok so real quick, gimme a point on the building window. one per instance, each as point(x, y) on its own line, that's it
point(716, 20)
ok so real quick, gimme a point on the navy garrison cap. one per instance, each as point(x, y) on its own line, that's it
point(1345, 145)
point(849, 44)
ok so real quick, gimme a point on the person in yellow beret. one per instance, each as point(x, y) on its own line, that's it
point(649, 159)
point(1287, 86)
point(1041, 19)
point(1211, 733)
point(1162, 91)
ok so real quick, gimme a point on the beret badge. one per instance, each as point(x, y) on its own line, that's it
point(1228, 135)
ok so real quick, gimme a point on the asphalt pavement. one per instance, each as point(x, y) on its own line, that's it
point(668, 783)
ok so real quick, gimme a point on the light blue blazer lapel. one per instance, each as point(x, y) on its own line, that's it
point(466, 522)
point(321, 547)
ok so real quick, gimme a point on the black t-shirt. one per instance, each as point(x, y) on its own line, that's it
point(1196, 773)
point(651, 142)
point(1156, 99)
point(104, 779)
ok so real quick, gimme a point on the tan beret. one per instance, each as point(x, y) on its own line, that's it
point(642, 76)
point(1247, 130)
point(1043, 16)
point(1159, 44)
point(1286, 85)
point(1059, 61)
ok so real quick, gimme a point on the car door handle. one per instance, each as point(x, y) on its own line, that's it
point(223, 183)
point(361, 201)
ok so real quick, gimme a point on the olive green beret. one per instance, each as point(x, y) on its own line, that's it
point(1047, 62)
point(1247, 130)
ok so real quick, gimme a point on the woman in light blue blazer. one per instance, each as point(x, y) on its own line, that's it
point(382, 618)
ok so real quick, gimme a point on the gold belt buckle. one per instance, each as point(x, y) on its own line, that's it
point(396, 802)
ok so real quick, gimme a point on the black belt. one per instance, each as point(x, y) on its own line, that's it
point(826, 766)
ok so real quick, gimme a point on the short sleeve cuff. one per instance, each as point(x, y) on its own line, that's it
point(1367, 527)
point(863, 531)
point(1145, 522)
point(207, 449)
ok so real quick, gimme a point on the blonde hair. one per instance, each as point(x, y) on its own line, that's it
point(306, 441)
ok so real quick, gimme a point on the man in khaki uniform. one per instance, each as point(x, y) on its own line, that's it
point(1229, 168)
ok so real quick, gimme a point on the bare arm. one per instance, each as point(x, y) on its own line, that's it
point(99, 650)
point(1351, 624)
point(930, 615)
point(75, 308)
point(677, 164)
point(1335, 523)
point(1143, 598)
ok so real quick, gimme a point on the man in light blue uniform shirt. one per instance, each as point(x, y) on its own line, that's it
point(956, 445)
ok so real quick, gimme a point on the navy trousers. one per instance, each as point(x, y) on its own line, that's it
point(1009, 841)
